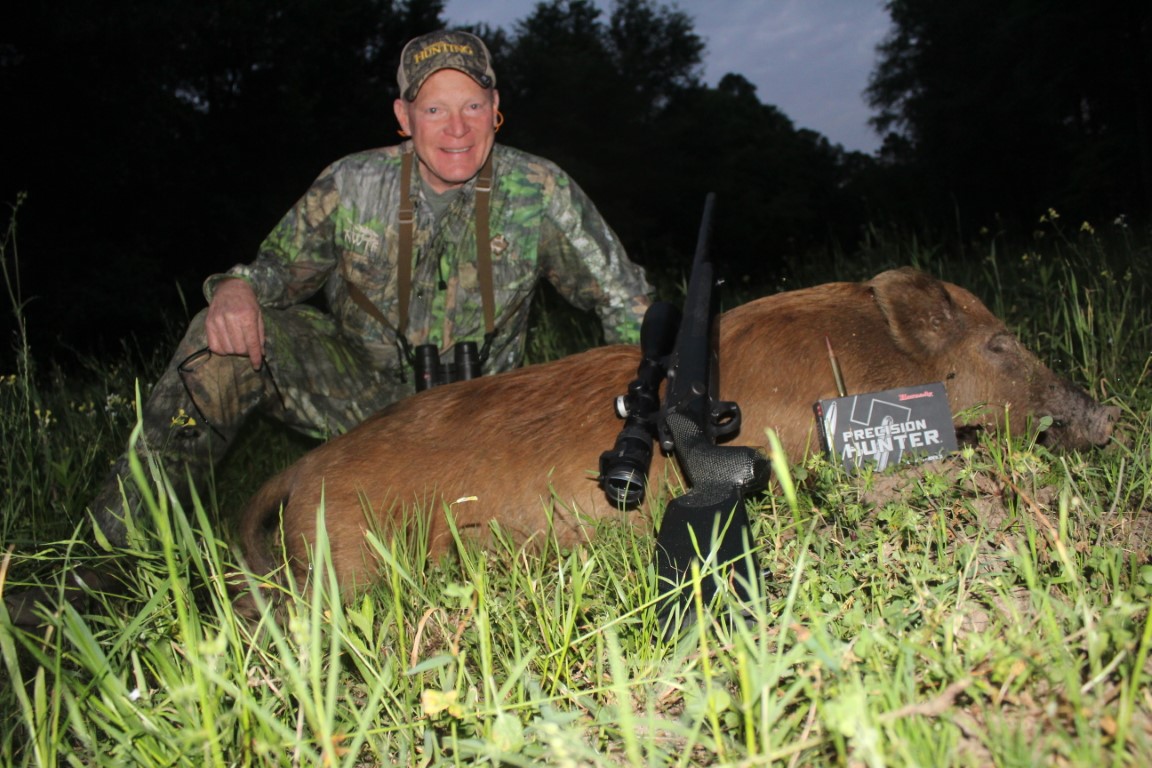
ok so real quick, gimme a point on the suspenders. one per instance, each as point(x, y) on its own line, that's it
point(407, 221)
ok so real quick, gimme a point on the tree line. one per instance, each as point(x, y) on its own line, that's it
point(160, 140)
point(1009, 107)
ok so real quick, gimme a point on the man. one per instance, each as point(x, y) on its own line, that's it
point(452, 275)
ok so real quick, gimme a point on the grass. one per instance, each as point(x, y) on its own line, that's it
point(987, 610)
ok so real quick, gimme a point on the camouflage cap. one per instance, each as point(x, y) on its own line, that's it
point(430, 53)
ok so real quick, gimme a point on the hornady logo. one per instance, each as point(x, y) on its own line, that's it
point(436, 48)
point(916, 395)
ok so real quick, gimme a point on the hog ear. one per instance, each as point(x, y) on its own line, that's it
point(921, 318)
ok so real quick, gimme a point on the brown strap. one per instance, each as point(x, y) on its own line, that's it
point(404, 259)
point(365, 303)
point(484, 246)
point(407, 220)
point(361, 299)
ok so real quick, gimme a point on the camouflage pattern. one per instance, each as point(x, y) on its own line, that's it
point(324, 373)
point(542, 226)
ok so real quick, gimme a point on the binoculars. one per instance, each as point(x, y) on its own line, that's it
point(431, 372)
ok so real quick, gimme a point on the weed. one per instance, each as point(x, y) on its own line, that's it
point(988, 609)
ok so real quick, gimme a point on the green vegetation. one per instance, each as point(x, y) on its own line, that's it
point(987, 610)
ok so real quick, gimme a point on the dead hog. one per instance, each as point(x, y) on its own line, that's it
point(523, 447)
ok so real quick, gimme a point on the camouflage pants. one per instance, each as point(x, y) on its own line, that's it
point(313, 379)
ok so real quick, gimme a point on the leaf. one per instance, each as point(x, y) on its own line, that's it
point(507, 733)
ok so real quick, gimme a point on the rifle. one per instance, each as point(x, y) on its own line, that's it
point(710, 523)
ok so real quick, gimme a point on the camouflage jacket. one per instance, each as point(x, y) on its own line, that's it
point(541, 223)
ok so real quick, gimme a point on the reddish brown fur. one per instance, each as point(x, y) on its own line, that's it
point(516, 440)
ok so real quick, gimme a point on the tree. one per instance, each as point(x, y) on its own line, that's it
point(1018, 105)
point(586, 93)
point(621, 105)
point(778, 188)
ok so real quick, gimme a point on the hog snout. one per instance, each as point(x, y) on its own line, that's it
point(1078, 421)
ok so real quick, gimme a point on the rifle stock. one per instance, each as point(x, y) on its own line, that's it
point(710, 523)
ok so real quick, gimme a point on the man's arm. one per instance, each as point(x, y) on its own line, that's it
point(586, 262)
point(293, 263)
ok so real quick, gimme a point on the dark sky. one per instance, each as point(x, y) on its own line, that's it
point(809, 58)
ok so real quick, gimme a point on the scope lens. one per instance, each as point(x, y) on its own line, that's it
point(625, 488)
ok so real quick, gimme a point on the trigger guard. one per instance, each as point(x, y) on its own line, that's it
point(724, 419)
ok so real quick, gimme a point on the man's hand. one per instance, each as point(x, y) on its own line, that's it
point(235, 325)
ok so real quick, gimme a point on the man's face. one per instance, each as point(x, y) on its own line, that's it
point(453, 126)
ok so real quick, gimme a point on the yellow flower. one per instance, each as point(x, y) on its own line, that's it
point(1086, 227)
point(44, 417)
point(434, 702)
point(183, 420)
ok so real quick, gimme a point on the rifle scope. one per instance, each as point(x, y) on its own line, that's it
point(624, 469)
